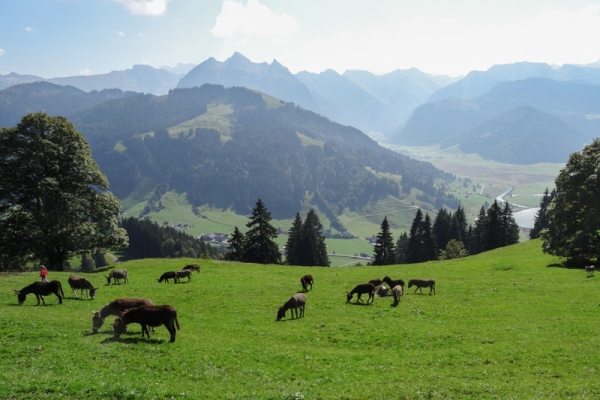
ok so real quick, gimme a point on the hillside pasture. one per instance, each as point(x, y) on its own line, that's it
point(505, 324)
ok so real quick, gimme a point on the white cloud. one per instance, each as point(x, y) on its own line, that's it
point(121, 33)
point(254, 19)
point(145, 7)
point(85, 72)
point(29, 29)
point(1, 51)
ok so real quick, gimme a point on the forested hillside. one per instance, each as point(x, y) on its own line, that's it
point(228, 147)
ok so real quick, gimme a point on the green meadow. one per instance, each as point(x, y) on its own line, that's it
point(506, 324)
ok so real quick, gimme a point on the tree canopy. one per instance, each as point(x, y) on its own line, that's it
point(259, 246)
point(53, 202)
point(384, 250)
point(574, 213)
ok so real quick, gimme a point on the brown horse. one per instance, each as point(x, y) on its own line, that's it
point(41, 289)
point(297, 301)
point(77, 282)
point(117, 307)
point(305, 281)
point(193, 267)
point(146, 316)
point(368, 288)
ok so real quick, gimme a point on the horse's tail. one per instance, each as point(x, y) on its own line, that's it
point(177, 323)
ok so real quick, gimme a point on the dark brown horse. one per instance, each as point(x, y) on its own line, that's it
point(77, 282)
point(117, 307)
point(422, 283)
point(117, 275)
point(193, 267)
point(391, 283)
point(146, 316)
point(168, 275)
point(41, 289)
point(367, 288)
point(305, 281)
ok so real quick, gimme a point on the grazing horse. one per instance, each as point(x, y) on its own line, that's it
point(361, 289)
point(590, 270)
point(117, 307)
point(193, 267)
point(184, 273)
point(397, 291)
point(391, 283)
point(77, 282)
point(168, 275)
point(305, 281)
point(376, 282)
point(117, 275)
point(421, 283)
point(152, 316)
point(41, 289)
point(297, 301)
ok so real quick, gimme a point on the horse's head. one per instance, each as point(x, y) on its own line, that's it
point(93, 292)
point(348, 297)
point(280, 313)
point(119, 327)
point(21, 296)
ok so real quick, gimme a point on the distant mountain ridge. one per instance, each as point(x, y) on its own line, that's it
point(366, 101)
point(569, 111)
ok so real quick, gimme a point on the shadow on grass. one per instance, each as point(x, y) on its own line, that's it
point(133, 340)
point(356, 303)
point(394, 304)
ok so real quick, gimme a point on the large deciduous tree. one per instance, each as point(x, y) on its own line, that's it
point(574, 214)
point(53, 202)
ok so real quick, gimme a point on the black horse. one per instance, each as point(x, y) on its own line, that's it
point(41, 289)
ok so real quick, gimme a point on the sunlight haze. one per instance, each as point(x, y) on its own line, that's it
point(57, 38)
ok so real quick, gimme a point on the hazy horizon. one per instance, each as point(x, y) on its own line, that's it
point(58, 38)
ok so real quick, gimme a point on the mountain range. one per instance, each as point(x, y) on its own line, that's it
point(226, 147)
point(408, 107)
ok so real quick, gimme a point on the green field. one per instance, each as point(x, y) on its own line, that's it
point(507, 324)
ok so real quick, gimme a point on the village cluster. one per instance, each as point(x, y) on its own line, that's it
point(144, 312)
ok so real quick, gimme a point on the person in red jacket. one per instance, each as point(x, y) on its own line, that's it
point(44, 274)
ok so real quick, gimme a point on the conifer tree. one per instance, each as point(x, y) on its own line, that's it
point(442, 228)
point(236, 246)
point(402, 248)
point(493, 236)
point(385, 253)
point(430, 250)
point(313, 251)
point(293, 245)
point(459, 226)
point(510, 228)
point(541, 219)
point(476, 238)
point(415, 241)
point(259, 246)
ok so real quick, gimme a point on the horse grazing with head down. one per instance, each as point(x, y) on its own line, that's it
point(367, 288)
point(41, 289)
point(77, 282)
point(146, 316)
point(117, 307)
point(193, 267)
point(297, 301)
point(117, 275)
point(305, 281)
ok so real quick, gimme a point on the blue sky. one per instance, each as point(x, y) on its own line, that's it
point(56, 38)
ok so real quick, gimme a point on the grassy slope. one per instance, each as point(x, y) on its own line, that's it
point(504, 324)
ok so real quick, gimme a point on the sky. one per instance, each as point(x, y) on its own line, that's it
point(59, 38)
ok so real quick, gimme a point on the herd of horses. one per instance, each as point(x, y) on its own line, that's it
point(144, 312)
point(127, 310)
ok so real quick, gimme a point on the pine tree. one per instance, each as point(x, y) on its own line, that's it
point(430, 250)
point(313, 251)
point(541, 219)
point(459, 226)
point(236, 246)
point(415, 241)
point(385, 253)
point(402, 249)
point(510, 228)
point(260, 247)
point(292, 246)
point(476, 238)
point(493, 230)
point(442, 228)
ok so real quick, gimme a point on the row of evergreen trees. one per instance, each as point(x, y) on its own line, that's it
point(448, 236)
point(305, 245)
